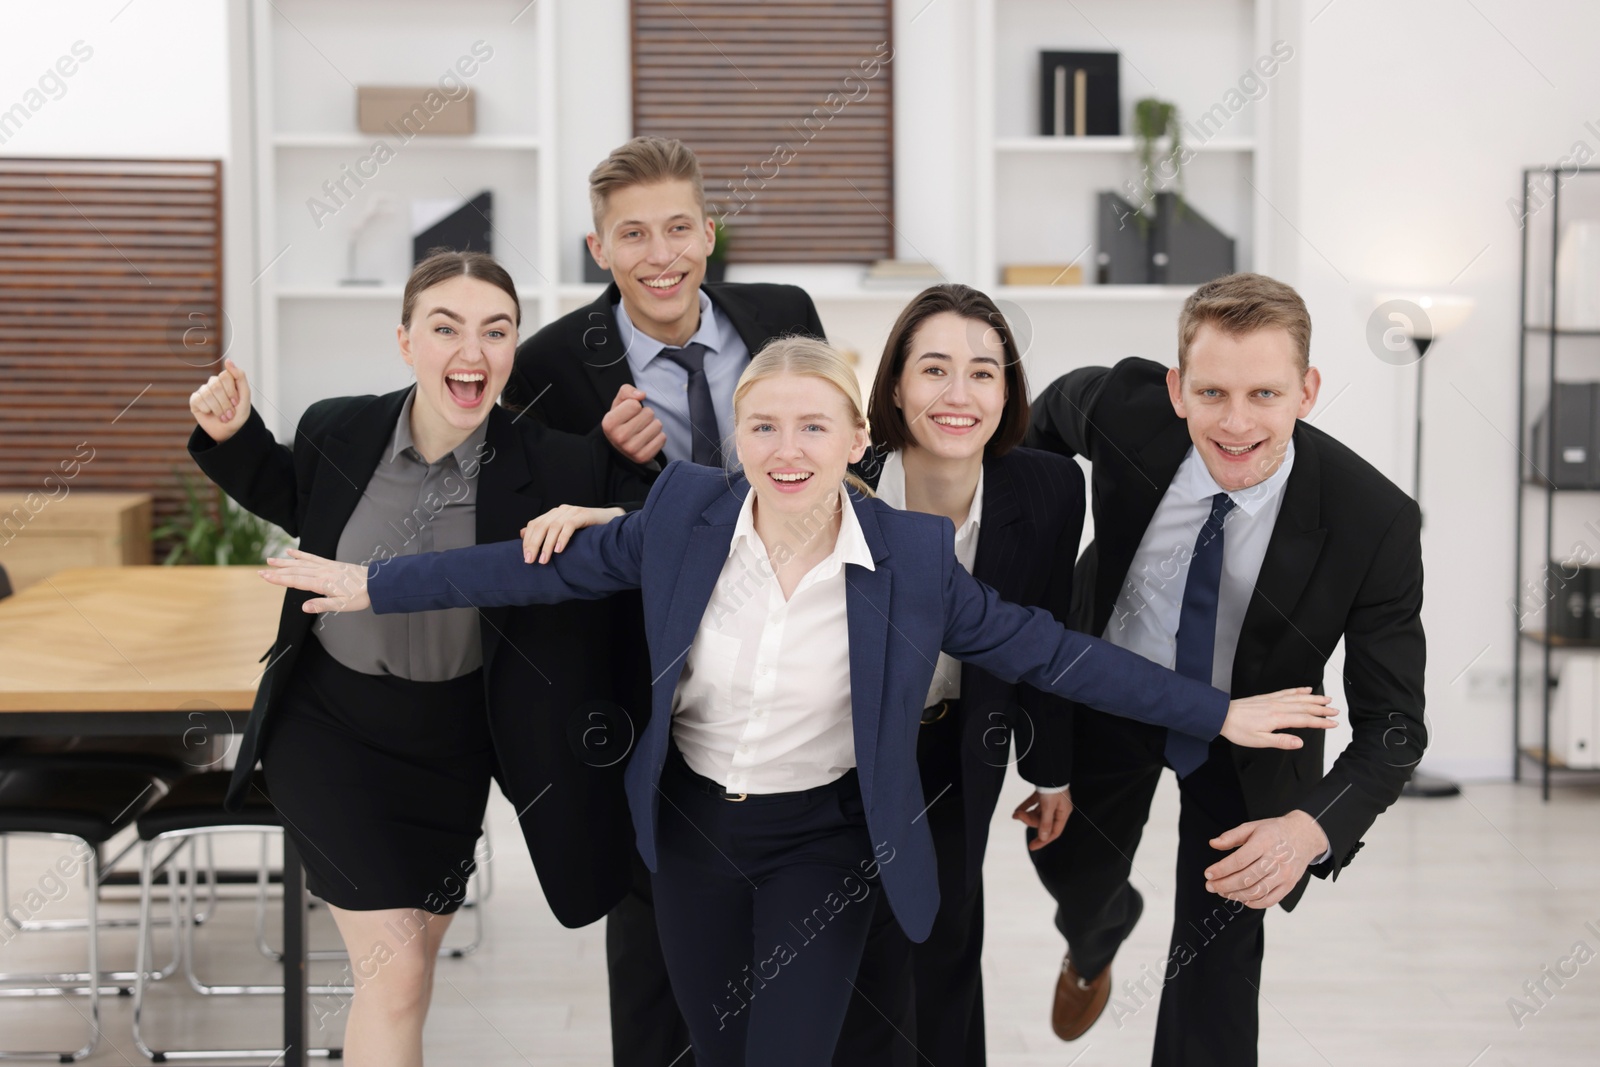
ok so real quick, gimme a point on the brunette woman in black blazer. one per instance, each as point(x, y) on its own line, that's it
point(949, 408)
point(379, 741)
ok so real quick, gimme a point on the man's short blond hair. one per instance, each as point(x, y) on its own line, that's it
point(1243, 303)
point(644, 161)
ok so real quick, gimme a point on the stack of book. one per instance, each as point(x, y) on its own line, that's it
point(901, 274)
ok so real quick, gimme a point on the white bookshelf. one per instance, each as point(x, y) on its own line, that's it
point(318, 337)
point(1120, 145)
point(1034, 196)
point(1031, 197)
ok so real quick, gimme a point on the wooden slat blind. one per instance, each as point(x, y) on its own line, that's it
point(789, 106)
point(110, 316)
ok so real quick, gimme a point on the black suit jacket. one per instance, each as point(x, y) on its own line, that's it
point(1033, 504)
point(1344, 561)
point(566, 376)
point(568, 373)
point(549, 672)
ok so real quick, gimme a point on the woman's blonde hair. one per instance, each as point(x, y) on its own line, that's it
point(806, 357)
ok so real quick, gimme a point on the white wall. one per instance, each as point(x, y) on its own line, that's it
point(156, 84)
point(1400, 132)
point(1415, 122)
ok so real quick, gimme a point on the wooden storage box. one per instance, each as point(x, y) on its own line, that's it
point(403, 110)
point(1042, 274)
point(40, 535)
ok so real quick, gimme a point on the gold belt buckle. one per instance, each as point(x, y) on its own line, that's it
point(734, 798)
point(943, 709)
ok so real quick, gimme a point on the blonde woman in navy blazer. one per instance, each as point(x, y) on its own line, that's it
point(761, 893)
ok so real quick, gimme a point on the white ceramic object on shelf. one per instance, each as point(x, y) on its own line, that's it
point(1578, 276)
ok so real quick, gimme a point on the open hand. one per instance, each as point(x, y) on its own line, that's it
point(1270, 859)
point(632, 428)
point(1254, 722)
point(343, 586)
point(551, 531)
point(222, 404)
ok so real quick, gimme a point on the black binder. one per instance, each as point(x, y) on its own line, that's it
point(1565, 438)
point(1058, 81)
point(1185, 248)
point(1570, 589)
point(470, 228)
point(1122, 243)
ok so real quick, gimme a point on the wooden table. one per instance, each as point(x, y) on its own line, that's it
point(151, 650)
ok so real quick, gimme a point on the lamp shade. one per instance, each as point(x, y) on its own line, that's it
point(1441, 313)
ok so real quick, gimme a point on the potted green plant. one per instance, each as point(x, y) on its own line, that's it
point(1153, 121)
point(214, 531)
point(717, 261)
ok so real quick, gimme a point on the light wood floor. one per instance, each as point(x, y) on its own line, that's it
point(1410, 959)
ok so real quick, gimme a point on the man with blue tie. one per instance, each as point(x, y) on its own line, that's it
point(651, 363)
point(1237, 545)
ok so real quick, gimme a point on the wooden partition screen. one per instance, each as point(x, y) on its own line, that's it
point(110, 316)
point(789, 105)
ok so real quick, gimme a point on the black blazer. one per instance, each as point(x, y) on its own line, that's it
point(1344, 561)
point(549, 672)
point(566, 376)
point(1033, 505)
point(568, 373)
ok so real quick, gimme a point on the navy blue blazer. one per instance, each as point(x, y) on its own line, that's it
point(916, 602)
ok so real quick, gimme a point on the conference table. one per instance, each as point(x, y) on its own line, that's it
point(121, 651)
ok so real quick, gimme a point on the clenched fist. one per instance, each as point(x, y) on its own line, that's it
point(222, 404)
point(632, 428)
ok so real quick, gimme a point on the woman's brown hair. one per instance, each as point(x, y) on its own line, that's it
point(888, 422)
point(443, 264)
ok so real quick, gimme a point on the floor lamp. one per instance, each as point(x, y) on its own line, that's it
point(1423, 318)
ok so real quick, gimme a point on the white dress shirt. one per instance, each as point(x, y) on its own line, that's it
point(763, 705)
point(666, 384)
point(1145, 618)
point(946, 683)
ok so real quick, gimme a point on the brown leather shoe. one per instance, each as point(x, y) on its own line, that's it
point(1078, 1002)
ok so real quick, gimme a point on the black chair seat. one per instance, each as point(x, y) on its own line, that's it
point(151, 765)
point(93, 805)
point(196, 803)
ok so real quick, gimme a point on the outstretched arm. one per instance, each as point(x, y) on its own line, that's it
point(1028, 645)
point(595, 564)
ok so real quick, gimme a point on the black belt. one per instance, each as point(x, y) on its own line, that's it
point(939, 711)
point(699, 781)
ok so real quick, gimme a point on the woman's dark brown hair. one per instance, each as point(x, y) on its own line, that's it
point(888, 422)
point(442, 264)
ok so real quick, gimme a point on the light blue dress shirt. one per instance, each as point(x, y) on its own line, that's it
point(666, 384)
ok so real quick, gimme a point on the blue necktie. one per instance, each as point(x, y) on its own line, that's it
point(1197, 627)
point(706, 447)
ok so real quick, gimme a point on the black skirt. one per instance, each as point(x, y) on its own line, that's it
point(382, 782)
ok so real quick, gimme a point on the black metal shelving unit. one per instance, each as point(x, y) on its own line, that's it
point(1550, 520)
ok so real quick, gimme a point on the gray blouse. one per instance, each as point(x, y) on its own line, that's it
point(410, 507)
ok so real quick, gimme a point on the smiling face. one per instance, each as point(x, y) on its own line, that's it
point(1241, 396)
point(796, 435)
point(654, 239)
point(952, 388)
point(461, 343)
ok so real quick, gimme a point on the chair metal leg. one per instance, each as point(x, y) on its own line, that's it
point(91, 877)
point(146, 935)
point(212, 894)
point(184, 923)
